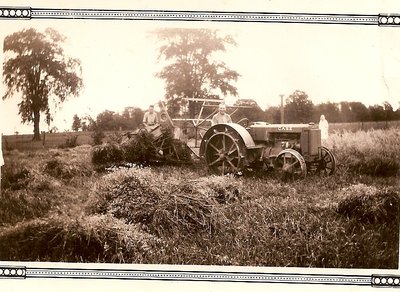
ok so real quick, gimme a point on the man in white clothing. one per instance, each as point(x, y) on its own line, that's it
point(150, 118)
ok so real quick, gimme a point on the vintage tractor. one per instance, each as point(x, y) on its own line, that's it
point(292, 150)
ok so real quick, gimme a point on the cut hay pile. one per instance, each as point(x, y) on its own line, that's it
point(25, 193)
point(88, 239)
point(369, 204)
point(162, 204)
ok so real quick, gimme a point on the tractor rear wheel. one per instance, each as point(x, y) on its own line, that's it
point(225, 151)
point(289, 164)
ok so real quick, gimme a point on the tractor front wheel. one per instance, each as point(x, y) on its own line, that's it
point(289, 164)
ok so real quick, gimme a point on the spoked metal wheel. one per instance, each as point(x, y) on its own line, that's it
point(327, 164)
point(224, 151)
point(289, 164)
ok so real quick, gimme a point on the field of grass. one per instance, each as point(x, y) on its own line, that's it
point(23, 142)
point(56, 207)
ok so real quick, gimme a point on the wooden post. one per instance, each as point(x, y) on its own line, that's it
point(44, 138)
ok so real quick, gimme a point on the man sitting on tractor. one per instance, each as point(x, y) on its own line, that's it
point(221, 117)
point(150, 118)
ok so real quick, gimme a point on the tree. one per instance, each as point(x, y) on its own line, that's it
point(346, 115)
point(76, 123)
point(132, 117)
point(389, 112)
point(107, 121)
point(359, 111)
point(88, 123)
point(37, 69)
point(397, 113)
point(273, 115)
point(329, 110)
point(298, 108)
point(377, 113)
point(192, 70)
point(254, 113)
point(353, 112)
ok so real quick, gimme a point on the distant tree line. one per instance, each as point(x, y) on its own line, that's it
point(129, 119)
point(299, 108)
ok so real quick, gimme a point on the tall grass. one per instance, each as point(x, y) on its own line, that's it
point(374, 152)
point(35, 183)
point(182, 215)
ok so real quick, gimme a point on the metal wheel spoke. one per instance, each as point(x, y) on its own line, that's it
point(294, 163)
point(215, 161)
point(232, 151)
point(232, 147)
point(215, 147)
point(223, 143)
point(231, 164)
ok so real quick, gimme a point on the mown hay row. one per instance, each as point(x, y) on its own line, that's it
point(370, 205)
point(83, 239)
point(163, 204)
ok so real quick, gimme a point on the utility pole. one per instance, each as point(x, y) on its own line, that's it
point(282, 111)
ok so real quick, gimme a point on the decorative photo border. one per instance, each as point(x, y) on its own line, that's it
point(18, 272)
point(23, 272)
point(101, 14)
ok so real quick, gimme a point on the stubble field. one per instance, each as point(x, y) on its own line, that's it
point(56, 207)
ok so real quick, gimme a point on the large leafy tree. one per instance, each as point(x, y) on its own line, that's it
point(37, 69)
point(192, 69)
point(299, 108)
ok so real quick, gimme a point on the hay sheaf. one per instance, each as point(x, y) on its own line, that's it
point(162, 204)
point(17, 205)
point(370, 205)
point(107, 154)
point(83, 239)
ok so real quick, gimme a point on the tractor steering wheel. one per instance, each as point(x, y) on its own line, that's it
point(245, 122)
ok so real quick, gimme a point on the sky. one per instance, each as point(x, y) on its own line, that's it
point(119, 60)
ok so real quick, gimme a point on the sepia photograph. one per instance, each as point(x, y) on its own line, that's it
point(200, 143)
